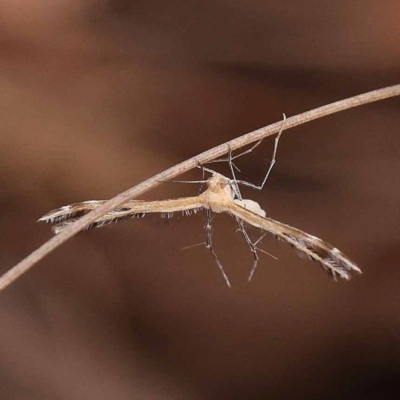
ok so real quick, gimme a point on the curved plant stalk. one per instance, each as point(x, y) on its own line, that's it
point(56, 241)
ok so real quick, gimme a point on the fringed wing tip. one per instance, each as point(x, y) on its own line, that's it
point(58, 215)
point(331, 259)
point(52, 216)
point(65, 213)
point(335, 263)
point(50, 219)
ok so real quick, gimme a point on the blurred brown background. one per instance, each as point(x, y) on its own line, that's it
point(95, 97)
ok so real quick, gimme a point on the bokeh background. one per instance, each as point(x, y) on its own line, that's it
point(96, 96)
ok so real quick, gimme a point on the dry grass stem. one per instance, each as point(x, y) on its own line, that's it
point(185, 166)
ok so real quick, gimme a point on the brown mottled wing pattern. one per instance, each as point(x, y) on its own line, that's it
point(332, 260)
point(67, 215)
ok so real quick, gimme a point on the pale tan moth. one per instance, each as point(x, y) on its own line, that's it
point(222, 195)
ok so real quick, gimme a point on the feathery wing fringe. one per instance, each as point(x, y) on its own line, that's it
point(332, 260)
point(67, 215)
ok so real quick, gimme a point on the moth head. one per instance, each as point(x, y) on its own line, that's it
point(218, 182)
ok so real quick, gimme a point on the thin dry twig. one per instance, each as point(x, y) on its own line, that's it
point(187, 165)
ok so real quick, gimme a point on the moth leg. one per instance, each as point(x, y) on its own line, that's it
point(231, 158)
point(273, 160)
point(209, 246)
point(203, 179)
point(235, 186)
point(252, 245)
point(237, 155)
